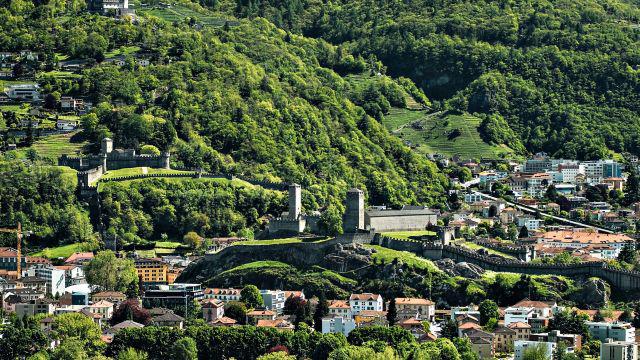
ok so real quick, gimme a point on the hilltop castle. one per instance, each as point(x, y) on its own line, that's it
point(91, 167)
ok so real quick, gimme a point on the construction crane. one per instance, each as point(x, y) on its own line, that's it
point(18, 232)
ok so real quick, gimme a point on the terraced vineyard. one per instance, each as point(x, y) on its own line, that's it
point(446, 134)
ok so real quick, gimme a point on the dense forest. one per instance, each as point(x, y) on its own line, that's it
point(251, 100)
point(563, 75)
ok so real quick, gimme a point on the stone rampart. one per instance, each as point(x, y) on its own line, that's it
point(619, 279)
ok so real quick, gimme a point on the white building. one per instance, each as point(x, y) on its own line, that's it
point(464, 310)
point(103, 308)
point(55, 277)
point(273, 300)
point(340, 308)
point(518, 314)
point(618, 350)
point(29, 92)
point(338, 324)
point(531, 223)
point(616, 331)
point(519, 347)
point(366, 301)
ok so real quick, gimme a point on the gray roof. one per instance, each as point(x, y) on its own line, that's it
point(385, 213)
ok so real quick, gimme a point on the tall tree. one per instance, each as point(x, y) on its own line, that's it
point(632, 187)
point(250, 295)
point(392, 312)
point(488, 310)
point(111, 273)
point(322, 310)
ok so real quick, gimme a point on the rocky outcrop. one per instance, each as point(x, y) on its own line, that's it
point(464, 269)
point(346, 257)
point(594, 293)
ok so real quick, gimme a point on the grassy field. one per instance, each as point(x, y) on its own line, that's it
point(408, 234)
point(179, 12)
point(434, 136)
point(63, 251)
point(140, 171)
point(474, 246)
point(18, 109)
point(411, 259)
point(60, 74)
point(53, 146)
point(125, 50)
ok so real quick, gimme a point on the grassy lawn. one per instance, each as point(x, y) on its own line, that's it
point(139, 171)
point(411, 259)
point(167, 244)
point(270, 242)
point(53, 146)
point(125, 50)
point(4, 83)
point(474, 246)
point(434, 134)
point(63, 251)
point(18, 109)
point(60, 74)
point(407, 234)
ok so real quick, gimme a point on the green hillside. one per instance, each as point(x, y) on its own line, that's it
point(438, 133)
point(556, 76)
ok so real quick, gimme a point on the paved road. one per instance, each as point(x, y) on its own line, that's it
point(529, 209)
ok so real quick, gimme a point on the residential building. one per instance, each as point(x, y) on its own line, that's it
point(517, 314)
point(73, 274)
point(520, 346)
point(79, 258)
point(173, 296)
point(273, 300)
point(111, 296)
point(424, 307)
point(255, 315)
point(34, 307)
point(572, 341)
point(224, 295)
point(522, 330)
point(540, 308)
point(481, 343)
point(169, 319)
point(103, 308)
point(503, 339)
point(28, 92)
point(67, 125)
point(371, 318)
point(151, 272)
point(616, 331)
point(9, 260)
point(223, 321)
point(338, 324)
point(278, 324)
point(618, 350)
point(55, 278)
point(531, 223)
point(212, 309)
point(471, 311)
point(472, 197)
point(581, 239)
point(340, 308)
point(366, 301)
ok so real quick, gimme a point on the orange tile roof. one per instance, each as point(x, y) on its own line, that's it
point(260, 313)
point(585, 237)
point(364, 297)
point(469, 325)
point(519, 325)
point(339, 304)
point(532, 303)
point(413, 301)
point(79, 256)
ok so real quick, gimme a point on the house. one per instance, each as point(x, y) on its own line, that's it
point(366, 301)
point(466, 327)
point(503, 339)
point(614, 183)
point(255, 315)
point(127, 324)
point(517, 314)
point(338, 324)
point(481, 343)
point(464, 310)
point(426, 308)
point(618, 350)
point(531, 223)
point(67, 125)
point(79, 258)
point(111, 296)
point(294, 293)
point(616, 331)
point(279, 324)
point(26, 92)
point(371, 317)
point(212, 309)
point(103, 308)
point(68, 103)
point(522, 330)
point(169, 319)
point(568, 203)
point(97, 318)
point(541, 308)
point(172, 296)
point(223, 321)
point(520, 346)
point(581, 239)
point(508, 215)
point(340, 308)
point(34, 307)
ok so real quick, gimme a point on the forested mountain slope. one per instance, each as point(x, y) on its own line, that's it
point(564, 75)
point(251, 100)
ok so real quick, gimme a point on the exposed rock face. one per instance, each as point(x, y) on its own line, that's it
point(347, 257)
point(594, 294)
point(463, 269)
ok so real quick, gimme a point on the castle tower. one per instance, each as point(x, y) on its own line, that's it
point(103, 159)
point(353, 218)
point(107, 146)
point(166, 156)
point(295, 201)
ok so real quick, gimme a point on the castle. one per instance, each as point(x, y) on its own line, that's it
point(90, 168)
point(356, 217)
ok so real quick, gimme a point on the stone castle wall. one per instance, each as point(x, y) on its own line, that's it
point(620, 279)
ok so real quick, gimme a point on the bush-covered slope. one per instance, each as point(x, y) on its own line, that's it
point(563, 74)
